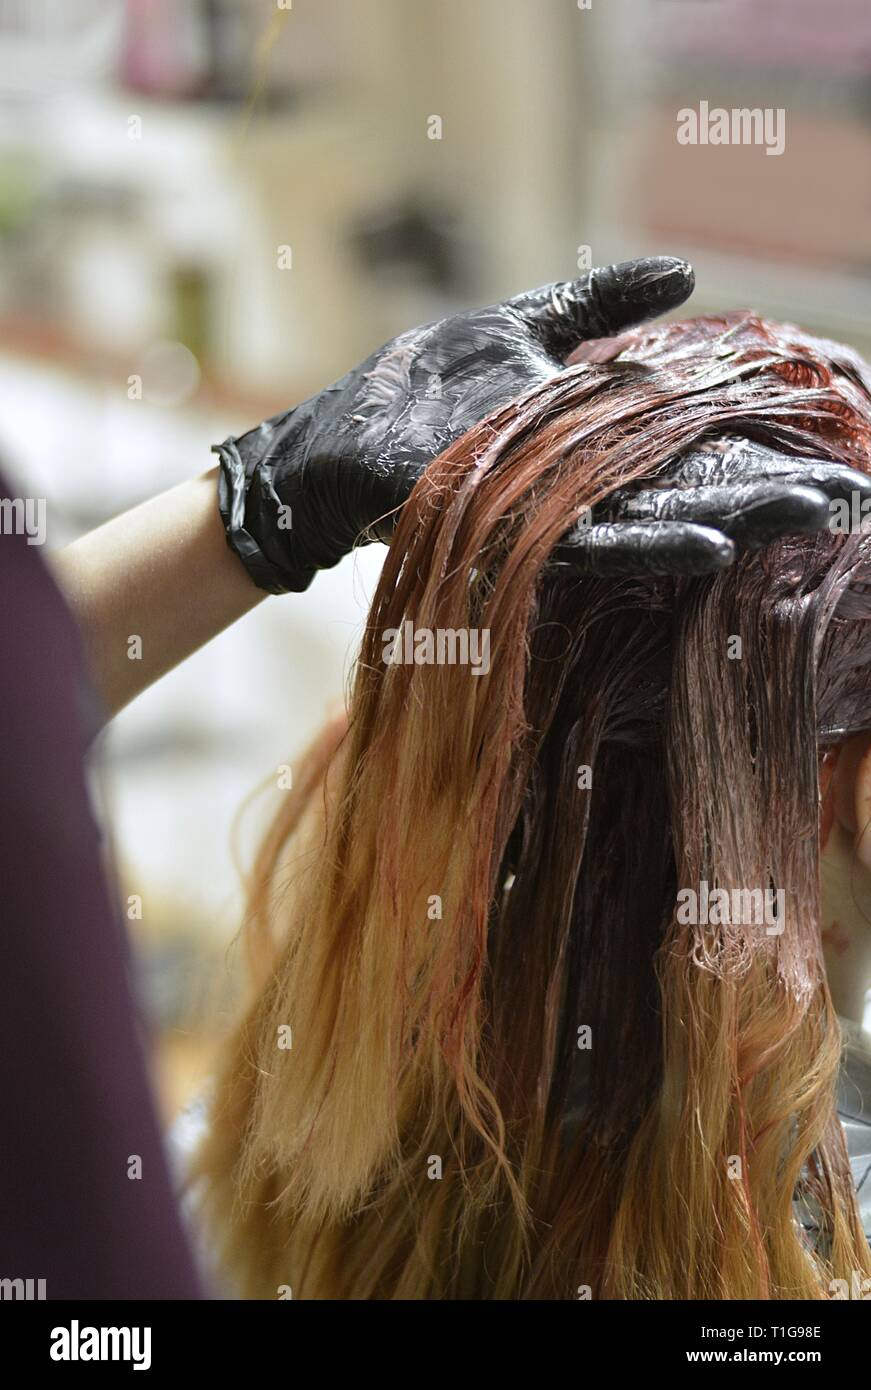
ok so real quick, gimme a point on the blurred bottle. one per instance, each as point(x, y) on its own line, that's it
point(165, 51)
point(189, 48)
point(229, 35)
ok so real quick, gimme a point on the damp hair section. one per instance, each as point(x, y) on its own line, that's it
point(515, 1071)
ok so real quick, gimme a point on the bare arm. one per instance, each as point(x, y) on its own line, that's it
point(161, 572)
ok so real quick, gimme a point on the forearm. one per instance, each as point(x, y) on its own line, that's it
point(846, 934)
point(161, 573)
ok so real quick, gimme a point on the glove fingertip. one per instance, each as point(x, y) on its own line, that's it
point(632, 291)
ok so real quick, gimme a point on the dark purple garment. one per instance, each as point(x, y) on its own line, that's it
point(76, 1102)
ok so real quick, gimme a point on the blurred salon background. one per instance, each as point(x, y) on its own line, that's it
point(211, 208)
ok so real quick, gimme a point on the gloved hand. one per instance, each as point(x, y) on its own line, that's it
point(726, 493)
point(301, 490)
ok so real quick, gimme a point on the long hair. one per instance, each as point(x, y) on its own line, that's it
point(486, 1054)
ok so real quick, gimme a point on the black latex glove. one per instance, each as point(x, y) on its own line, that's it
point(725, 494)
point(347, 458)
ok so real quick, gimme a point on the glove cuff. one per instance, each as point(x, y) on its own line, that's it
point(235, 486)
